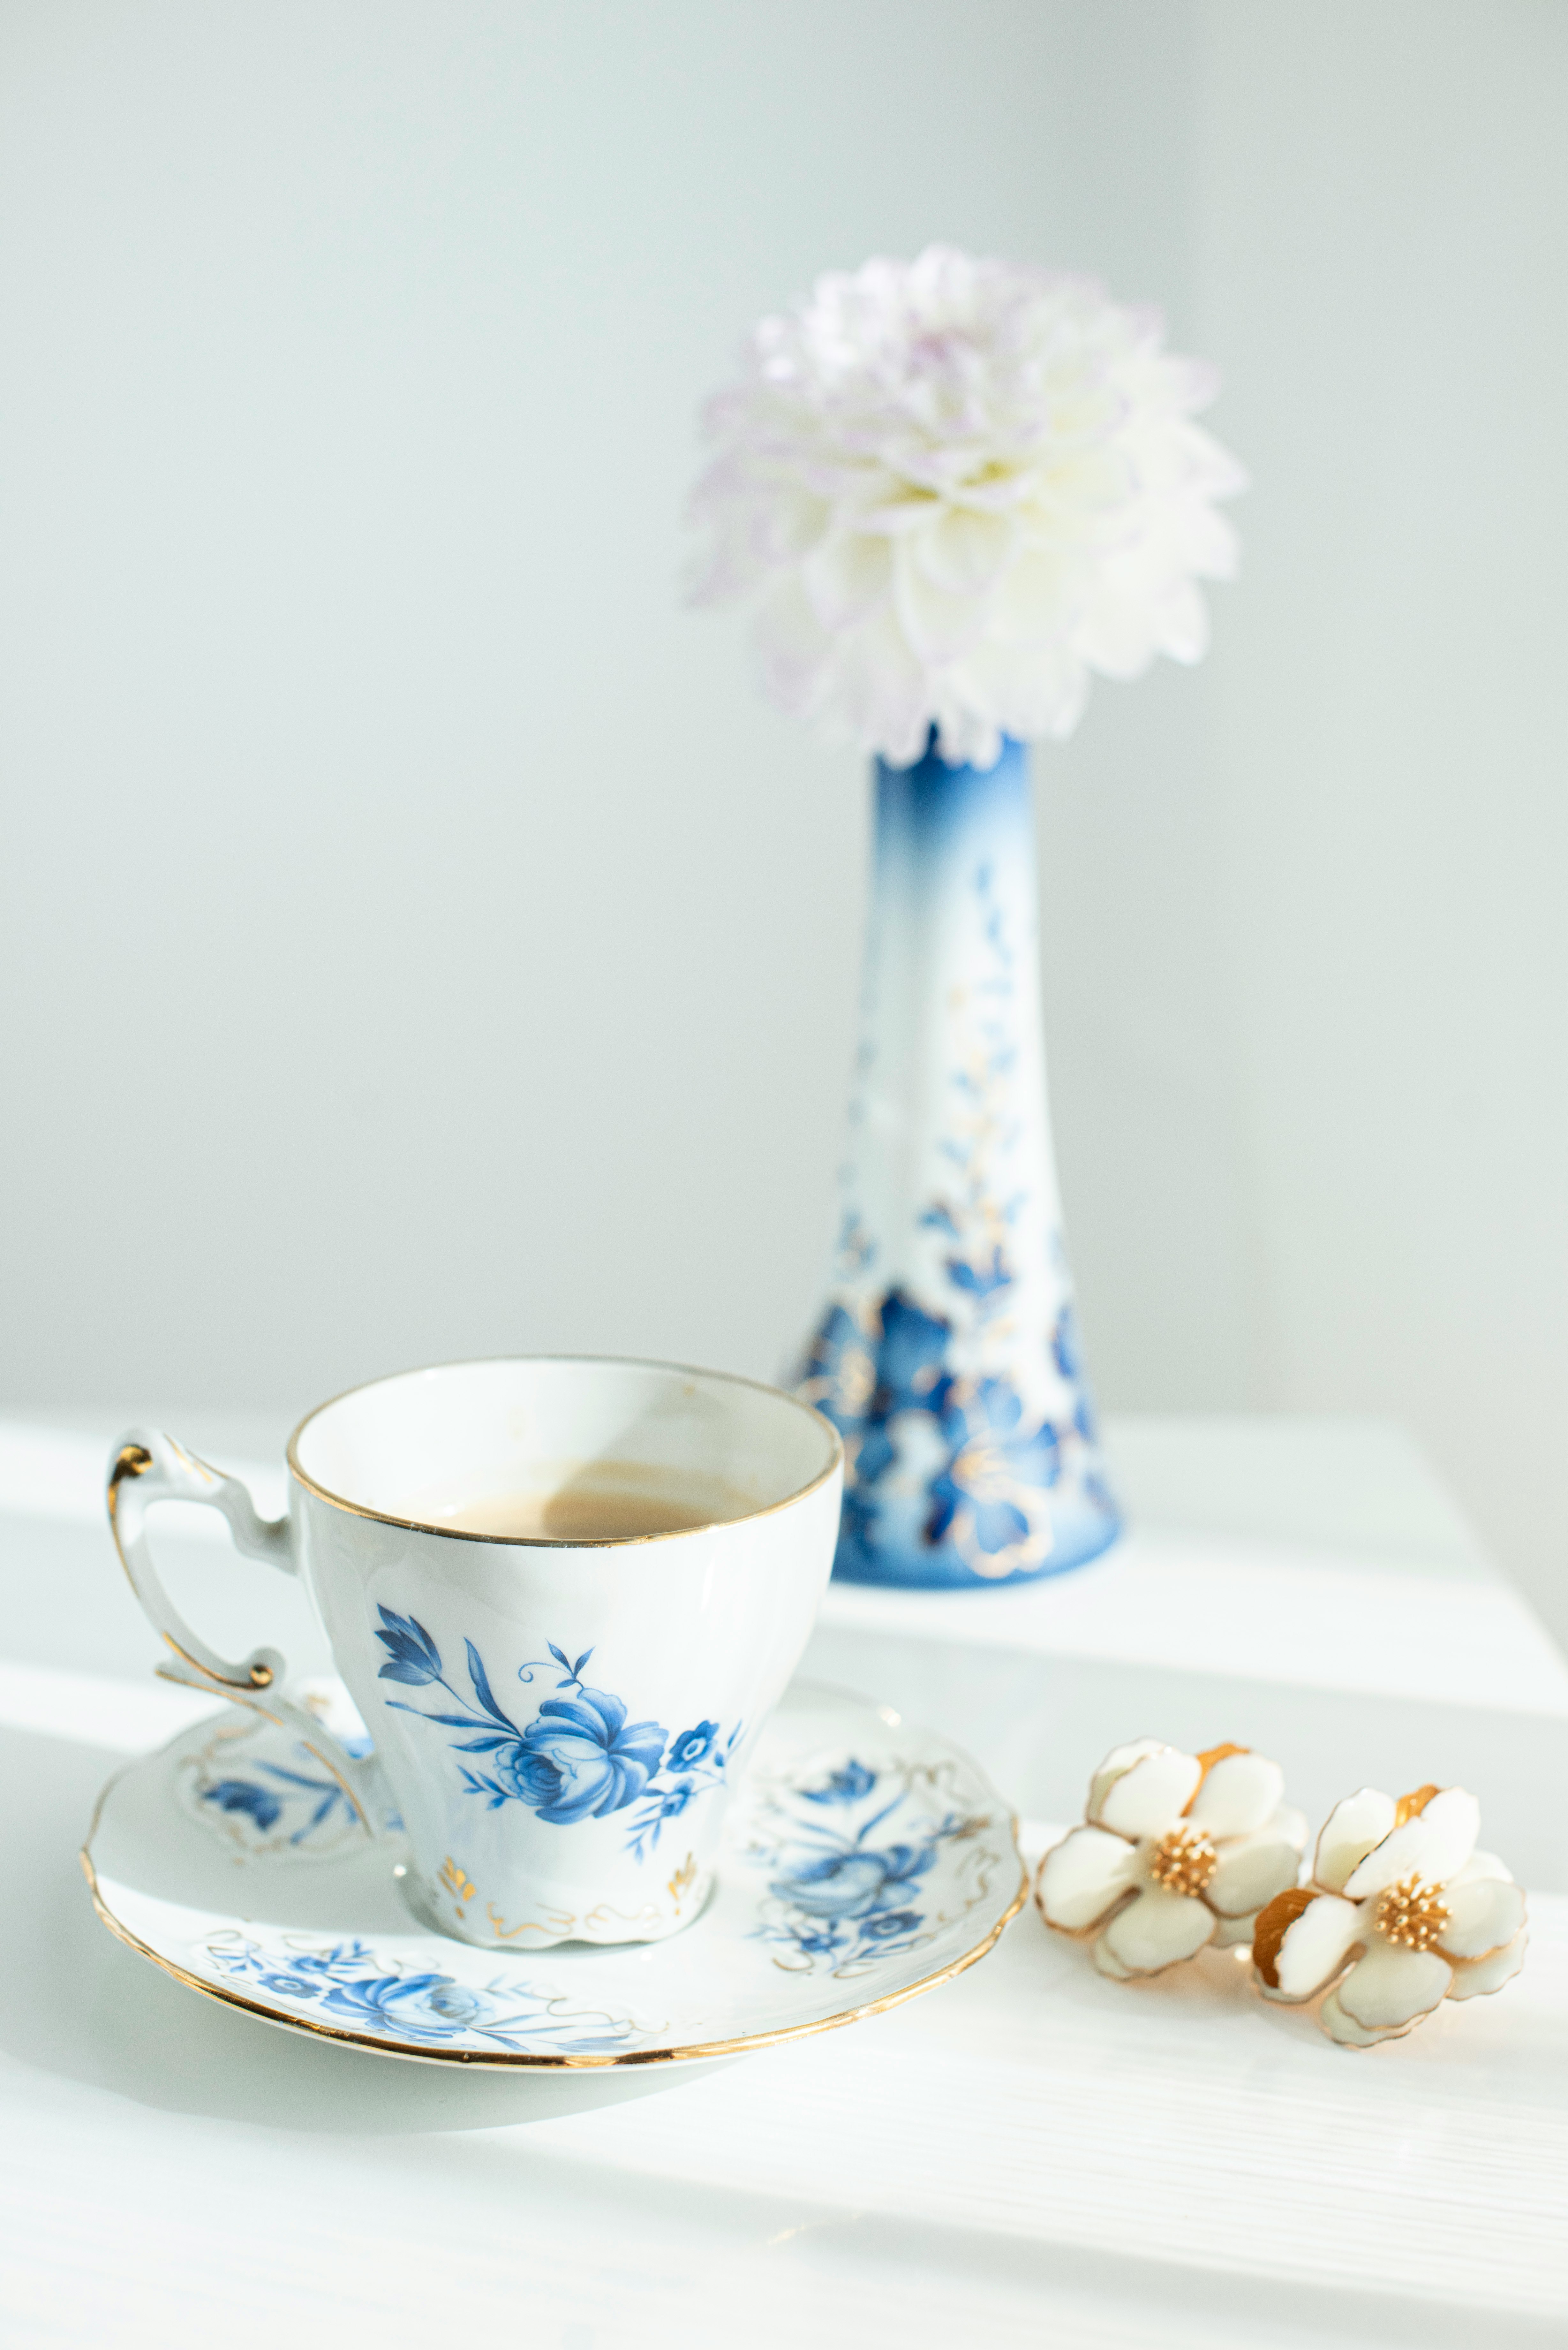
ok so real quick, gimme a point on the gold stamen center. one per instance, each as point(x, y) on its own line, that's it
point(1184, 1861)
point(1411, 1914)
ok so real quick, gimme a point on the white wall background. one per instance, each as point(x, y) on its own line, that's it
point(418, 939)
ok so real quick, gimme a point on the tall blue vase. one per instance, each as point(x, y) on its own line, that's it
point(947, 1353)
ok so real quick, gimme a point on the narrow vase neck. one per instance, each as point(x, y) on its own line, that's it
point(942, 810)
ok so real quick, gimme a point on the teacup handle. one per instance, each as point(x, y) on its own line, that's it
point(147, 1467)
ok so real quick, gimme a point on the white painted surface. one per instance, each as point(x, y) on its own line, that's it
point(1030, 2154)
point(1212, 1604)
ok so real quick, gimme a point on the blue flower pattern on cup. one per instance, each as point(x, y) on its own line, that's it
point(877, 1357)
point(842, 1895)
point(346, 1984)
point(578, 1759)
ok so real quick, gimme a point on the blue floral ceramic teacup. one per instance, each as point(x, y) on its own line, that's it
point(559, 1719)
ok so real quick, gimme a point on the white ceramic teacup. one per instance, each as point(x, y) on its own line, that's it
point(558, 1722)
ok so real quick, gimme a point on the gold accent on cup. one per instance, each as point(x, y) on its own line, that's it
point(547, 1541)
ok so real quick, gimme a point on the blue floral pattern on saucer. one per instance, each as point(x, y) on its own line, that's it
point(849, 1861)
point(266, 1793)
point(346, 1984)
point(863, 1859)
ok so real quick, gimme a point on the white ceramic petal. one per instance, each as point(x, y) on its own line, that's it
point(1228, 1932)
point(1315, 1945)
point(1483, 1914)
point(1434, 1846)
point(1389, 1988)
point(1349, 1834)
point(1108, 1963)
point(1474, 1976)
point(1148, 1798)
point(1238, 1794)
point(1483, 1864)
point(1252, 1870)
point(1157, 1930)
point(1082, 1876)
point(1120, 1759)
point(1348, 2032)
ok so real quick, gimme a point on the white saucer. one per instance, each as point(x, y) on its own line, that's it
point(866, 1860)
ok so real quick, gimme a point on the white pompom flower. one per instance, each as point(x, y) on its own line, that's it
point(1402, 1912)
point(1178, 1851)
point(957, 487)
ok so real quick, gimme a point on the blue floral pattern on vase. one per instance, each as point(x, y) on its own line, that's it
point(847, 1878)
point(578, 1759)
point(947, 1354)
point(346, 1985)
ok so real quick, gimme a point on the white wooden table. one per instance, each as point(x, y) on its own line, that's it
point(1029, 2155)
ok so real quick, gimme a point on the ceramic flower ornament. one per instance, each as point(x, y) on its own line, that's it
point(956, 487)
point(1178, 1851)
point(1402, 1912)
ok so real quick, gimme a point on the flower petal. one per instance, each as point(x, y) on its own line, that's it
point(1434, 1846)
point(966, 553)
point(1349, 1834)
point(1158, 1930)
point(1120, 1759)
point(1483, 1914)
point(1348, 2032)
point(1035, 602)
point(845, 577)
point(1252, 1869)
point(939, 622)
point(1311, 1950)
point(1483, 1864)
point(1474, 1976)
point(1146, 1798)
point(1391, 1987)
point(1108, 1963)
point(1238, 1795)
point(1081, 1878)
